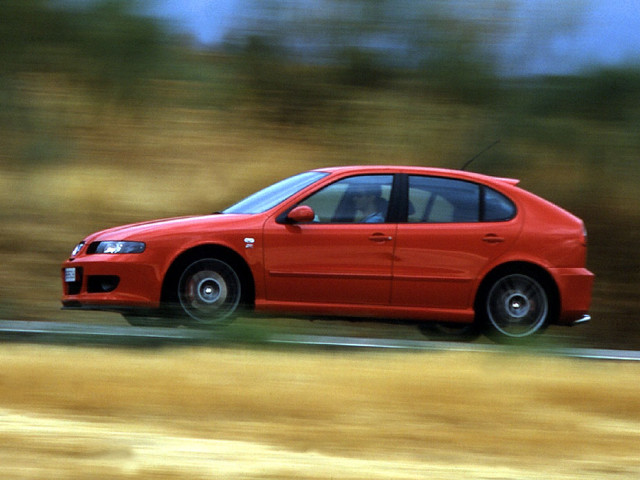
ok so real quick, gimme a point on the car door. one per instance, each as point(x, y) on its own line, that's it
point(454, 229)
point(343, 256)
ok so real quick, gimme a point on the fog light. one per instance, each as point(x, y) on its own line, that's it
point(102, 283)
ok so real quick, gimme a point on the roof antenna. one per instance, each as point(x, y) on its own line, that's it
point(464, 167)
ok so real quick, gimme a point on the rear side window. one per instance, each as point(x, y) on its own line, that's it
point(443, 200)
point(497, 207)
point(448, 200)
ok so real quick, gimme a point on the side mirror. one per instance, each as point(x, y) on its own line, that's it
point(301, 214)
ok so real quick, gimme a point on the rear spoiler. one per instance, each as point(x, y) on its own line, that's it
point(510, 181)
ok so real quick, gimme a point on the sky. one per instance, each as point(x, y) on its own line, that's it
point(607, 34)
point(604, 33)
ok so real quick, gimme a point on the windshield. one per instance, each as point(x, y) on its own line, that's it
point(278, 192)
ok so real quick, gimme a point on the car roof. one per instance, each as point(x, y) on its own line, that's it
point(416, 170)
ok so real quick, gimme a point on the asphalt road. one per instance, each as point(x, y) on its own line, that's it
point(84, 334)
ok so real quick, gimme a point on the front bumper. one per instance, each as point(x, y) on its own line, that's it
point(107, 283)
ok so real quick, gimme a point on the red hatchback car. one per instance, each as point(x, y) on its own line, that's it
point(447, 249)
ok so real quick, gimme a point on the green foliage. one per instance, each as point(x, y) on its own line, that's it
point(116, 56)
point(460, 79)
point(118, 51)
point(104, 46)
point(283, 91)
point(457, 62)
point(363, 68)
point(609, 94)
point(30, 30)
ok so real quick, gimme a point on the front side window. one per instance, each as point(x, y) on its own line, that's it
point(443, 200)
point(359, 199)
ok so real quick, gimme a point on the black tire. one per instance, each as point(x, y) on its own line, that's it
point(455, 332)
point(143, 321)
point(516, 306)
point(208, 293)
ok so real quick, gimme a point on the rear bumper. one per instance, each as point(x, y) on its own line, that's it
point(574, 289)
point(581, 320)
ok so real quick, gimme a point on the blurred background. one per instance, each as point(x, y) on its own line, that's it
point(118, 111)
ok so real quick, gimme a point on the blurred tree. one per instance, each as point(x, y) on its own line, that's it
point(457, 48)
point(607, 94)
point(359, 67)
point(118, 51)
point(103, 48)
point(285, 91)
point(32, 39)
point(451, 44)
point(29, 30)
point(104, 45)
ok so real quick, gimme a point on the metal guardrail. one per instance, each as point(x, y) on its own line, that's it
point(86, 334)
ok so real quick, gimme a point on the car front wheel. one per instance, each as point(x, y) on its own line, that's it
point(209, 292)
point(516, 306)
point(146, 321)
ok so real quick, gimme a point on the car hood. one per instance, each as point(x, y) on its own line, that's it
point(144, 230)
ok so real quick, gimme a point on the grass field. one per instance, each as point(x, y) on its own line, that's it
point(75, 413)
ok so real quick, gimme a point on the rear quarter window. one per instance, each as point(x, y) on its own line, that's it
point(497, 207)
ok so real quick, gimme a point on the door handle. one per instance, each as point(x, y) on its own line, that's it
point(380, 237)
point(492, 238)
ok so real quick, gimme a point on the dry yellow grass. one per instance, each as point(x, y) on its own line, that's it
point(258, 414)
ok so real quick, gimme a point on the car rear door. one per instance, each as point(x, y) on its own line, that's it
point(445, 244)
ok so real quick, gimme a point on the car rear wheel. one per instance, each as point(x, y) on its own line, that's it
point(208, 292)
point(516, 306)
point(462, 332)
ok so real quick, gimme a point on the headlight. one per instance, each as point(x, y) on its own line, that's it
point(118, 247)
point(77, 248)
